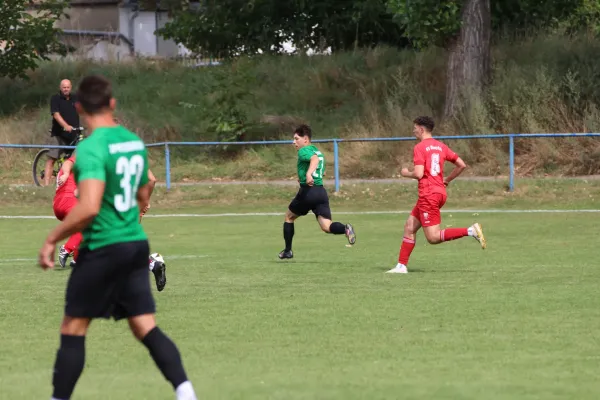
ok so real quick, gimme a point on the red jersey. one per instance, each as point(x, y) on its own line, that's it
point(67, 189)
point(432, 154)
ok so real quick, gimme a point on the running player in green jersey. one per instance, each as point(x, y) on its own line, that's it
point(312, 196)
point(110, 278)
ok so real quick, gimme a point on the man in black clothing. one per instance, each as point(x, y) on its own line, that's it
point(64, 119)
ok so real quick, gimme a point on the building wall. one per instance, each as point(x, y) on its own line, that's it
point(96, 18)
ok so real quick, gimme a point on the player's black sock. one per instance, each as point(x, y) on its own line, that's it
point(70, 359)
point(337, 228)
point(288, 234)
point(166, 356)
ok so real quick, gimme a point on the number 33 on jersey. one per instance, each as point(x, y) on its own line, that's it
point(118, 158)
point(432, 154)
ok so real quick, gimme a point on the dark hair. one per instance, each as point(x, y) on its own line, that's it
point(304, 130)
point(94, 94)
point(425, 122)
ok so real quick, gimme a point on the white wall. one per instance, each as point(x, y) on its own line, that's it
point(144, 40)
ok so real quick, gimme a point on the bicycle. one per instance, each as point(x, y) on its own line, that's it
point(39, 162)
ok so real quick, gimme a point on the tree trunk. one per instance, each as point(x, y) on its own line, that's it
point(469, 63)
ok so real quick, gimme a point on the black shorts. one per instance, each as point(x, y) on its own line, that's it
point(55, 153)
point(311, 198)
point(111, 281)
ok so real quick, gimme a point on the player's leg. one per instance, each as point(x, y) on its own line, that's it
point(288, 231)
point(411, 227)
point(87, 296)
point(158, 267)
point(431, 219)
point(335, 228)
point(319, 203)
point(164, 353)
point(70, 357)
point(135, 302)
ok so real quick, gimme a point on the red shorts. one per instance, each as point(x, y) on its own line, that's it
point(63, 207)
point(427, 209)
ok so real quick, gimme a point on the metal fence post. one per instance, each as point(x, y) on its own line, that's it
point(336, 165)
point(511, 163)
point(168, 166)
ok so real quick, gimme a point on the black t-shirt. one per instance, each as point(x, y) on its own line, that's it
point(66, 108)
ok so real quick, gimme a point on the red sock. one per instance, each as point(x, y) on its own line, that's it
point(75, 254)
point(73, 242)
point(407, 247)
point(453, 233)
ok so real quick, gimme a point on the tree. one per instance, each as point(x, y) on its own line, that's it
point(464, 28)
point(468, 68)
point(226, 28)
point(25, 38)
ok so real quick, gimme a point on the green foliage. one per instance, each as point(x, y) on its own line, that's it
point(28, 38)
point(586, 17)
point(226, 28)
point(427, 22)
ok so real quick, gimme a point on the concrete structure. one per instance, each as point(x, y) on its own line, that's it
point(96, 26)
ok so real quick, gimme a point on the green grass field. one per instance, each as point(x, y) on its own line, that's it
point(519, 320)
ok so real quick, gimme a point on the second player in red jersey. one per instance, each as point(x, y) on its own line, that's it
point(429, 156)
point(65, 199)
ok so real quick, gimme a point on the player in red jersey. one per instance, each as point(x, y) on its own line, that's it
point(429, 157)
point(65, 199)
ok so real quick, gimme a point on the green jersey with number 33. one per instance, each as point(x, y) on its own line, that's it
point(117, 157)
point(304, 156)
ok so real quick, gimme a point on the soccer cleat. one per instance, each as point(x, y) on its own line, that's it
point(286, 254)
point(72, 264)
point(398, 269)
point(63, 255)
point(160, 275)
point(350, 234)
point(479, 235)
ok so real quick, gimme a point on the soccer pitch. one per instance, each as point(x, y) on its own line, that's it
point(519, 320)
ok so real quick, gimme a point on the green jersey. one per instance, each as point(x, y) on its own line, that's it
point(304, 156)
point(117, 157)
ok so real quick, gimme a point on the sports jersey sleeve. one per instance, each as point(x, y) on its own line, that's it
point(418, 156)
point(450, 155)
point(90, 162)
point(305, 154)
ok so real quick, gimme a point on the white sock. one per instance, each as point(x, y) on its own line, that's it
point(151, 266)
point(471, 231)
point(185, 391)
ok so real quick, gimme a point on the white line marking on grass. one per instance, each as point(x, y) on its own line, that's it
point(11, 260)
point(267, 214)
point(167, 257)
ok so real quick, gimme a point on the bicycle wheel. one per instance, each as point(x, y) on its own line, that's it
point(39, 166)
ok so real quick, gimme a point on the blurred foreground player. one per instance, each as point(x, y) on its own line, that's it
point(429, 156)
point(110, 279)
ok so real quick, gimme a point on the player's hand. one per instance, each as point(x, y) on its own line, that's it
point(446, 183)
point(69, 128)
point(62, 179)
point(46, 256)
point(309, 180)
point(405, 172)
point(145, 210)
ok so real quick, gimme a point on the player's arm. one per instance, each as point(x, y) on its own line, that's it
point(314, 163)
point(87, 208)
point(145, 205)
point(419, 165)
point(66, 171)
point(416, 173)
point(459, 167)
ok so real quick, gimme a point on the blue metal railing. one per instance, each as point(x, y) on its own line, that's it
point(336, 142)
